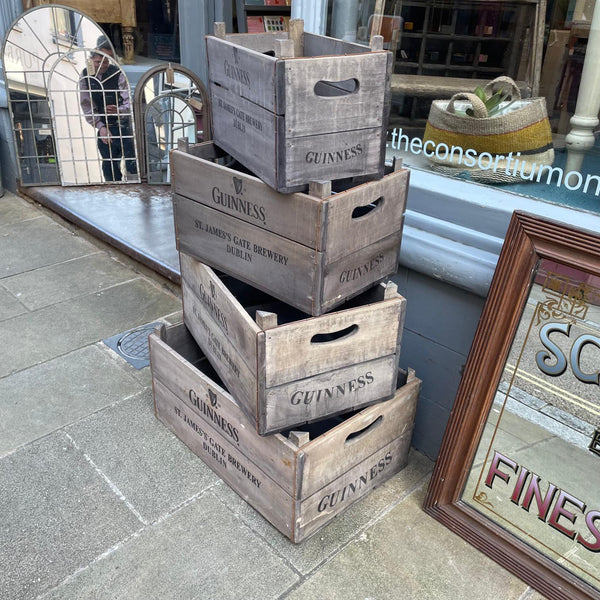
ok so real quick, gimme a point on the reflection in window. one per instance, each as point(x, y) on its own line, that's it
point(65, 28)
point(445, 48)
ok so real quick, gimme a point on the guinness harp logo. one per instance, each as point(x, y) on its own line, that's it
point(213, 398)
point(238, 184)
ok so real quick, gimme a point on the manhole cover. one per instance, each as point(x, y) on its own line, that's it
point(135, 343)
point(132, 345)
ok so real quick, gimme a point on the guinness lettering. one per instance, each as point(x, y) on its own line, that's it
point(349, 490)
point(217, 232)
point(348, 387)
point(274, 256)
point(237, 74)
point(215, 451)
point(567, 508)
point(213, 307)
point(353, 274)
point(325, 158)
point(239, 253)
point(239, 125)
point(239, 116)
point(211, 413)
point(240, 205)
point(243, 470)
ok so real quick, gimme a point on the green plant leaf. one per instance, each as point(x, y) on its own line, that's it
point(480, 93)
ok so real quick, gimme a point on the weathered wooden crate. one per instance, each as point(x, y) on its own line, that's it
point(284, 367)
point(298, 111)
point(298, 481)
point(312, 250)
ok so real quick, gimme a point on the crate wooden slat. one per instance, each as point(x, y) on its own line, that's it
point(298, 485)
point(309, 251)
point(284, 367)
point(291, 120)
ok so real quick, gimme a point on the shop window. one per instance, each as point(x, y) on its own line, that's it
point(446, 47)
point(157, 31)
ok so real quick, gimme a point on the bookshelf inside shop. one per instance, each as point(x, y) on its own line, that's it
point(270, 15)
point(443, 43)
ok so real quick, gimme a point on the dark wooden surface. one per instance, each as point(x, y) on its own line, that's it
point(135, 218)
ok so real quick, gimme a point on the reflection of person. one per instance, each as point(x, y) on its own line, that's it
point(105, 101)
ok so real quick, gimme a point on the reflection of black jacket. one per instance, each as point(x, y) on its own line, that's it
point(105, 92)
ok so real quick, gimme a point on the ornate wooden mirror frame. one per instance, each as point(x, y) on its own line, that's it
point(488, 511)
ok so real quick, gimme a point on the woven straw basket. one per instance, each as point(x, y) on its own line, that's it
point(507, 148)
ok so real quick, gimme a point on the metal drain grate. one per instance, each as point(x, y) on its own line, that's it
point(132, 345)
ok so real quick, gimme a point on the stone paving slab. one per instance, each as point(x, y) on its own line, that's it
point(55, 330)
point(522, 396)
point(38, 242)
point(15, 209)
point(326, 542)
point(201, 552)
point(532, 425)
point(58, 514)
point(153, 470)
point(64, 281)
point(43, 398)
point(569, 420)
point(10, 306)
point(397, 559)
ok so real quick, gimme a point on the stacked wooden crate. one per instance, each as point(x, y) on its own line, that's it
point(284, 375)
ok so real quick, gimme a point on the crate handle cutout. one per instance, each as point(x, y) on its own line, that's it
point(332, 89)
point(334, 336)
point(361, 433)
point(362, 211)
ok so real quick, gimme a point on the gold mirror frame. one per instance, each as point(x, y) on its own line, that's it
point(529, 240)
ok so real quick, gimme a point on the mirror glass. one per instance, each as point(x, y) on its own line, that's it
point(173, 106)
point(536, 472)
point(44, 55)
point(93, 120)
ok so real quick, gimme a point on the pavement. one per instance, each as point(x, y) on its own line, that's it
point(100, 501)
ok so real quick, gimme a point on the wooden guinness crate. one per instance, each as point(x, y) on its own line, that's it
point(284, 367)
point(300, 481)
point(313, 251)
point(295, 112)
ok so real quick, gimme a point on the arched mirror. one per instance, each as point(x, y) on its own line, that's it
point(170, 103)
point(93, 119)
point(44, 55)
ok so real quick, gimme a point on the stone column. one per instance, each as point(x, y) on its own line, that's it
point(581, 137)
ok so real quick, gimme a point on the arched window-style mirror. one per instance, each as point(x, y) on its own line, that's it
point(93, 119)
point(170, 103)
point(43, 55)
